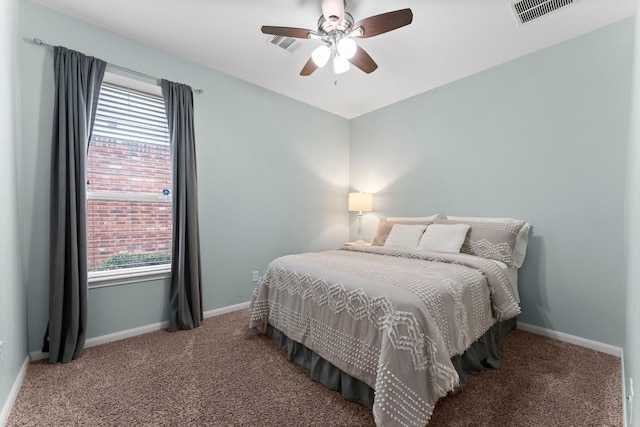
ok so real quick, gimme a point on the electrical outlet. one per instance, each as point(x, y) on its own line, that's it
point(256, 276)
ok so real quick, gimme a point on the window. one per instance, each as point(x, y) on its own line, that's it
point(128, 191)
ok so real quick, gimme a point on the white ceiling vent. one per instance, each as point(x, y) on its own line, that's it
point(528, 10)
point(287, 43)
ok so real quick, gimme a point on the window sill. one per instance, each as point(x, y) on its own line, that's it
point(100, 279)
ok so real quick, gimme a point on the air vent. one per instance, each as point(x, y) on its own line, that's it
point(287, 43)
point(528, 10)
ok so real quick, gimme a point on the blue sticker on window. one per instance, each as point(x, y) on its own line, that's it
point(165, 192)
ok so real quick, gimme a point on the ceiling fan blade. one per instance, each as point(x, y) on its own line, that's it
point(363, 61)
point(379, 24)
point(308, 68)
point(298, 33)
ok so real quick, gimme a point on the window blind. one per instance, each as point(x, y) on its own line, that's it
point(132, 115)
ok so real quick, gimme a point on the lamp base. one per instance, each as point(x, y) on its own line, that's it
point(360, 240)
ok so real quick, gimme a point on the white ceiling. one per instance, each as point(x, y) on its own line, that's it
point(448, 40)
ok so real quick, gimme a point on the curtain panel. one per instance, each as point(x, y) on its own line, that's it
point(185, 305)
point(77, 87)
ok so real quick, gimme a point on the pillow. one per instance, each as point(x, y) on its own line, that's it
point(522, 239)
point(490, 239)
point(405, 236)
point(386, 224)
point(443, 238)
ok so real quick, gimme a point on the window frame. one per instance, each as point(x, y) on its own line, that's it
point(123, 276)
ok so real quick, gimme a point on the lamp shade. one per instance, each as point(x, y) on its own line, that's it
point(360, 202)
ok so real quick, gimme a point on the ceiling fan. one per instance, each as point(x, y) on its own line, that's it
point(336, 29)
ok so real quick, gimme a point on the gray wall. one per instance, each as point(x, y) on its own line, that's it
point(632, 338)
point(13, 314)
point(269, 182)
point(542, 138)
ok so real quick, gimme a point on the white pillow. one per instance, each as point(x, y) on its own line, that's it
point(443, 238)
point(522, 239)
point(405, 235)
point(386, 224)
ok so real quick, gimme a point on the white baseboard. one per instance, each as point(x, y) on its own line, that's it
point(37, 355)
point(224, 310)
point(13, 394)
point(572, 339)
point(624, 393)
point(103, 339)
point(120, 335)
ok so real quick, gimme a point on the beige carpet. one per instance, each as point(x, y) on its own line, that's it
point(221, 374)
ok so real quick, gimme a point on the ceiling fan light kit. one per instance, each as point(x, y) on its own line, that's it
point(321, 55)
point(347, 47)
point(336, 29)
point(340, 64)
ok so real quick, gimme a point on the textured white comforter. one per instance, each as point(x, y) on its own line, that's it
point(391, 318)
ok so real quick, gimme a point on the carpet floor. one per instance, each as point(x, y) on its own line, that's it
point(223, 374)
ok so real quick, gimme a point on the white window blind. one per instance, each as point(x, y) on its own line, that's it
point(129, 184)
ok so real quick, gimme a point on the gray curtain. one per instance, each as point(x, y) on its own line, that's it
point(185, 305)
point(77, 86)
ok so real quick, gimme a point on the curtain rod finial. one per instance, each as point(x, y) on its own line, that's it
point(38, 42)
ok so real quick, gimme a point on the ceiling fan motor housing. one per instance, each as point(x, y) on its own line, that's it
point(327, 26)
point(333, 9)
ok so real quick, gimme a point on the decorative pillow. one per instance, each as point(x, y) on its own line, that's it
point(522, 239)
point(490, 239)
point(405, 235)
point(386, 224)
point(443, 238)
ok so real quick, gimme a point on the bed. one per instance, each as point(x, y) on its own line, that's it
point(398, 317)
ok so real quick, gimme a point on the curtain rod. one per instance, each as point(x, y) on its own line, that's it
point(39, 42)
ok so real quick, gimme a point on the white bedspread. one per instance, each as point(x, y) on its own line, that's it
point(391, 318)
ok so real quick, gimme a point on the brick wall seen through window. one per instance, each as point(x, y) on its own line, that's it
point(129, 182)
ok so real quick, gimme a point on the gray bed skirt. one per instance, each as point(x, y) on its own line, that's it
point(482, 355)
